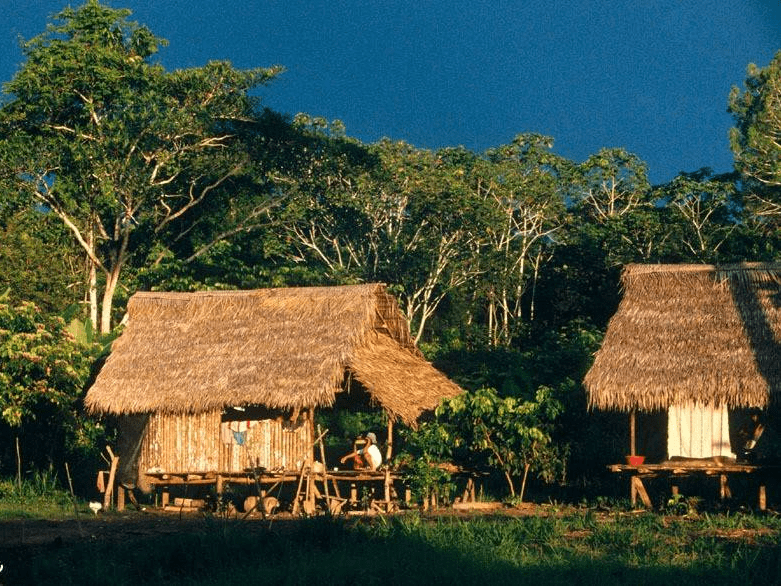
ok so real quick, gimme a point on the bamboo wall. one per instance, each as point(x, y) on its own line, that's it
point(271, 443)
point(194, 444)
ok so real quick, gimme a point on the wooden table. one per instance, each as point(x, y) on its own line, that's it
point(672, 470)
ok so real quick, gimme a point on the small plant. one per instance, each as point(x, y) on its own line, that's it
point(679, 504)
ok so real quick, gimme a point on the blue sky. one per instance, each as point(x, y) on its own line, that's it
point(651, 76)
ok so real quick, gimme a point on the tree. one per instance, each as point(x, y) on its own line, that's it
point(389, 212)
point(521, 185)
point(706, 210)
point(512, 433)
point(109, 142)
point(756, 138)
point(614, 207)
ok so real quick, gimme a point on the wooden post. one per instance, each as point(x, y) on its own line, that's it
point(120, 498)
point(111, 477)
point(762, 498)
point(387, 485)
point(632, 441)
point(724, 491)
point(325, 467)
point(298, 490)
point(389, 443)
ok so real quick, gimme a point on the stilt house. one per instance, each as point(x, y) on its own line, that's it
point(218, 382)
point(694, 341)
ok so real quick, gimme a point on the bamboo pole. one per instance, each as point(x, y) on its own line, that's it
point(73, 499)
point(389, 443)
point(18, 466)
point(111, 476)
point(325, 468)
point(632, 440)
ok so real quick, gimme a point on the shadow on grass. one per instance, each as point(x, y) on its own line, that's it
point(400, 551)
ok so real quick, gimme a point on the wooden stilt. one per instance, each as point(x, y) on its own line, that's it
point(724, 490)
point(120, 498)
point(762, 498)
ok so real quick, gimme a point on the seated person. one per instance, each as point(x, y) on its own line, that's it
point(761, 443)
point(368, 457)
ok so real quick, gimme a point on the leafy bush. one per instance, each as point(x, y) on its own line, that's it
point(43, 373)
point(481, 429)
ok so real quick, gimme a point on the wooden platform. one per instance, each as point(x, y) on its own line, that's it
point(164, 481)
point(674, 469)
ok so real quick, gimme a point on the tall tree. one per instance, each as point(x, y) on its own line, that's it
point(521, 185)
point(756, 138)
point(706, 211)
point(389, 212)
point(108, 141)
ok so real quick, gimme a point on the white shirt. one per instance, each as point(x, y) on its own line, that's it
point(374, 455)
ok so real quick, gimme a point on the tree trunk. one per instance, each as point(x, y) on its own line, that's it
point(523, 483)
point(92, 283)
point(112, 278)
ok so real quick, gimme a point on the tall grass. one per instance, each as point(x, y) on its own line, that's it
point(37, 495)
point(579, 548)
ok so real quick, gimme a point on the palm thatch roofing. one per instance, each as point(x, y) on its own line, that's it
point(691, 333)
point(281, 348)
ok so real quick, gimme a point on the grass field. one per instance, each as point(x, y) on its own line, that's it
point(547, 545)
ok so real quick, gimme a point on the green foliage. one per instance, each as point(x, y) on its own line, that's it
point(43, 372)
point(513, 435)
point(755, 138)
point(110, 143)
point(37, 259)
point(424, 449)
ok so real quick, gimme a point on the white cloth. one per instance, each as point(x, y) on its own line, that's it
point(374, 455)
point(698, 431)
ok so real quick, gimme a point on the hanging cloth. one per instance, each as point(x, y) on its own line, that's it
point(698, 431)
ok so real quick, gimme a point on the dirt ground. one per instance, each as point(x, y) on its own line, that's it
point(20, 536)
point(130, 524)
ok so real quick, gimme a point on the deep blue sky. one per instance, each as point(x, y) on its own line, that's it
point(652, 76)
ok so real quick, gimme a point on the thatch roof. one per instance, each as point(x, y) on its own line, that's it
point(281, 348)
point(709, 334)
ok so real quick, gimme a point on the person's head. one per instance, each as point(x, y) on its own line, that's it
point(371, 438)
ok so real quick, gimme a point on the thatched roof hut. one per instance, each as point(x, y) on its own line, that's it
point(701, 334)
point(289, 349)
point(209, 385)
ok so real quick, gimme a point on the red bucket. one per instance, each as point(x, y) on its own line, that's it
point(635, 460)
